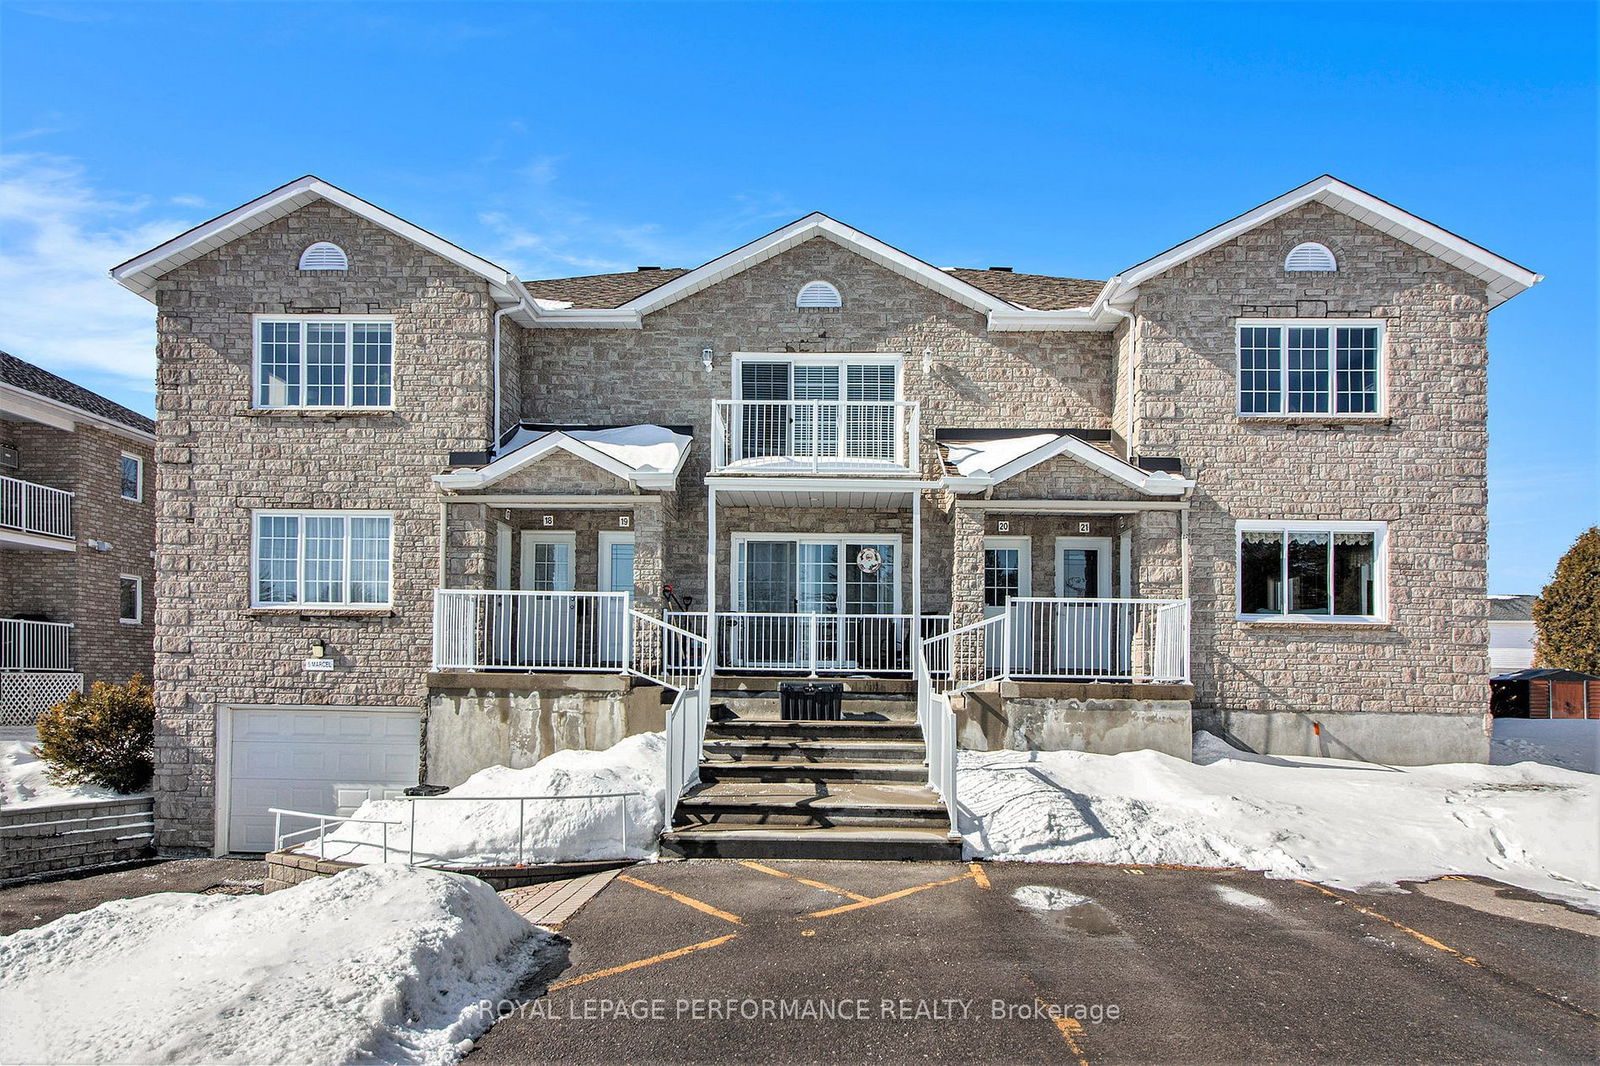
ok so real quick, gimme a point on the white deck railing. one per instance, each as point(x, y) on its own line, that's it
point(798, 642)
point(32, 508)
point(44, 646)
point(1035, 638)
point(814, 436)
point(937, 720)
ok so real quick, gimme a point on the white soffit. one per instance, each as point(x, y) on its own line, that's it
point(1504, 278)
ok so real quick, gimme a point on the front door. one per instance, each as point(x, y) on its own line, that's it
point(1088, 641)
point(1006, 575)
point(828, 603)
point(615, 575)
point(548, 624)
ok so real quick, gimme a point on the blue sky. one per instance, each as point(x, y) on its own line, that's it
point(1074, 139)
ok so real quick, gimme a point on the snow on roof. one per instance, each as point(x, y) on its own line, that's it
point(641, 447)
point(973, 457)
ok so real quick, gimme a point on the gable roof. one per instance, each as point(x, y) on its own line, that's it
point(1511, 608)
point(1504, 278)
point(603, 290)
point(25, 376)
point(141, 273)
point(984, 458)
point(646, 456)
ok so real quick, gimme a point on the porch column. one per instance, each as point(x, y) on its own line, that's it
point(1158, 574)
point(468, 549)
point(916, 575)
point(649, 544)
point(711, 577)
point(966, 589)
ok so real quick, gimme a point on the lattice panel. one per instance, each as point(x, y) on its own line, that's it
point(24, 695)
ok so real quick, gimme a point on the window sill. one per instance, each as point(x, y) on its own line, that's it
point(318, 412)
point(1307, 622)
point(1315, 420)
point(313, 611)
point(129, 622)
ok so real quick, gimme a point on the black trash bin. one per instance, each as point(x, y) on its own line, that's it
point(427, 790)
point(810, 701)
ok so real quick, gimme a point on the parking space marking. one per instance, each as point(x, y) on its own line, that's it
point(1437, 945)
point(978, 875)
point(858, 897)
point(687, 901)
point(874, 901)
point(677, 953)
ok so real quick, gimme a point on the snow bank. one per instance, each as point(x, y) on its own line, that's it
point(1571, 744)
point(381, 964)
point(1342, 823)
point(23, 782)
point(569, 830)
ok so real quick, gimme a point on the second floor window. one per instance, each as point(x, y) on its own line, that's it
point(1309, 368)
point(132, 478)
point(324, 361)
point(328, 558)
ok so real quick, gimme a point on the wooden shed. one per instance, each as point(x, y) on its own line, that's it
point(1545, 693)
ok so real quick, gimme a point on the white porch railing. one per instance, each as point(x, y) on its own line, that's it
point(814, 436)
point(567, 632)
point(32, 508)
point(1034, 638)
point(27, 645)
point(796, 642)
point(937, 720)
point(686, 737)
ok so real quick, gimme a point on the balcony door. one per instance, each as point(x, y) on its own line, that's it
point(548, 624)
point(829, 600)
point(819, 407)
point(1089, 639)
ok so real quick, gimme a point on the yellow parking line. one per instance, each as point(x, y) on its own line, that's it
point(1437, 945)
point(805, 881)
point(1070, 1029)
point(687, 901)
point(978, 875)
point(625, 967)
point(873, 902)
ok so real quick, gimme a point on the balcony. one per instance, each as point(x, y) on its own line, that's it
point(814, 437)
point(37, 510)
point(35, 669)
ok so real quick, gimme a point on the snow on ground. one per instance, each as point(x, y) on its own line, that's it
point(567, 830)
point(1342, 823)
point(380, 964)
point(22, 779)
point(1572, 744)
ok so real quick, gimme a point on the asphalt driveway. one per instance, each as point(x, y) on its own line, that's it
point(888, 962)
point(33, 903)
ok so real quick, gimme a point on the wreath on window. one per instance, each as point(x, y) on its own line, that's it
point(869, 560)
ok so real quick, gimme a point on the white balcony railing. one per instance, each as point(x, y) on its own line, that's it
point(45, 646)
point(814, 643)
point(814, 436)
point(31, 508)
point(1035, 638)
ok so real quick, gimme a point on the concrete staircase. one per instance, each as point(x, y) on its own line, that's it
point(853, 789)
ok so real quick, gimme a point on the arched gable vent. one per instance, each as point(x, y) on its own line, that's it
point(1311, 256)
point(324, 256)
point(818, 294)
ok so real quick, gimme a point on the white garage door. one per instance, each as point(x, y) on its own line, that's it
point(323, 761)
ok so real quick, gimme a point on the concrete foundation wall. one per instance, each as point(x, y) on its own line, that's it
point(476, 720)
point(1020, 717)
point(1399, 739)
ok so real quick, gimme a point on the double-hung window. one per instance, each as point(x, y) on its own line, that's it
point(1312, 571)
point(326, 558)
point(324, 361)
point(1310, 367)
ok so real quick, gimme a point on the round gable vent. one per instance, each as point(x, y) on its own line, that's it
point(324, 256)
point(1311, 256)
point(818, 294)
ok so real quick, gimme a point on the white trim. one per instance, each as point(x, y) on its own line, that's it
point(1504, 278)
point(57, 415)
point(1024, 547)
point(138, 478)
point(1330, 415)
point(828, 292)
point(503, 548)
point(608, 537)
point(299, 604)
point(644, 478)
point(529, 538)
point(1073, 506)
point(1150, 483)
point(324, 255)
point(258, 320)
point(138, 600)
point(16, 538)
point(1103, 545)
point(1380, 574)
point(736, 540)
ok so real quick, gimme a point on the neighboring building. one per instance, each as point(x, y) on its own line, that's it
point(1546, 693)
point(77, 539)
point(1511, 633)
point(410, 501)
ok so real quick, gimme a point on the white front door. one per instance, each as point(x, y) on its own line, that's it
point(548, 625)
point(616, 575)
point(1007, 574)
point(1087, 637)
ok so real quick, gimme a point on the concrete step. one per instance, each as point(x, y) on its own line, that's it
point(811, 804)
point(849, 729)
point(837, 842)
point(785, 749)
point(882, 772)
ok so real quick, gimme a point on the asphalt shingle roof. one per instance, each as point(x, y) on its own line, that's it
point(22, 374)
point(1511, 608)
point(1038, 291)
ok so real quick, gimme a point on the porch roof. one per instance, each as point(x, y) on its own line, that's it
point(981, 458)
point(645, 455)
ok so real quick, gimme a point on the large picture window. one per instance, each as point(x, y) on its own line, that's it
point(1312, 571)
point(328, 558)
point(324, 361)
point(1314, 367)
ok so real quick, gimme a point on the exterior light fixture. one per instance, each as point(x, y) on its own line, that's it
point(927, 360)
point(319, 649)
point(705, 358)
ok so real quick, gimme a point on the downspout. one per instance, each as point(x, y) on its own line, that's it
point(494, 442)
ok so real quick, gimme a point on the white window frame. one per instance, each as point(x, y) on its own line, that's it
point(256, 322)
point(1380, 575)
point(738, 540)
point(138, 600)
point(138, 478)
point(299, 603)
point(1330, 415)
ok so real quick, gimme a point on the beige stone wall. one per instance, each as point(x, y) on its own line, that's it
point(1422, 469)
point(219, 460)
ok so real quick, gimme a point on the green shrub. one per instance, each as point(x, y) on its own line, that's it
point(100, 737)
point(1567, 613)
